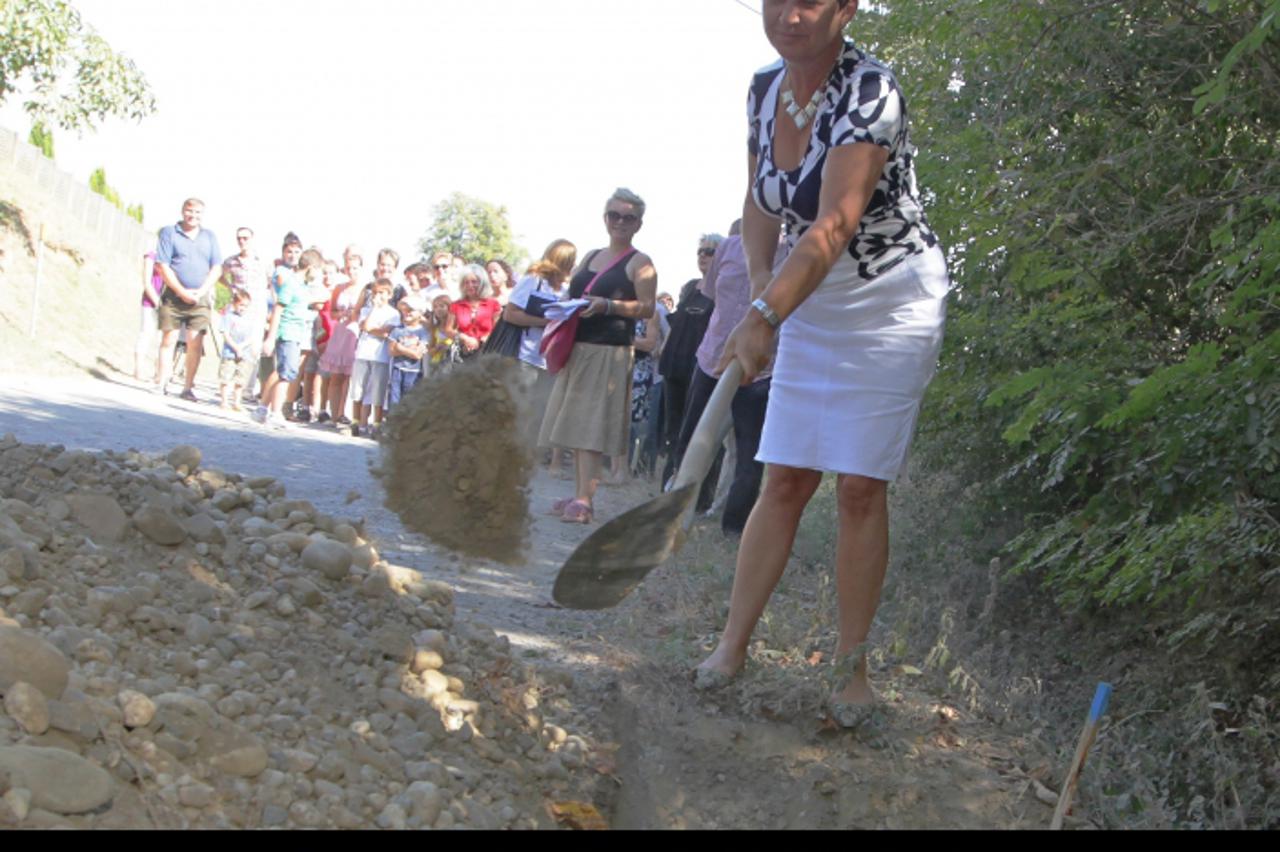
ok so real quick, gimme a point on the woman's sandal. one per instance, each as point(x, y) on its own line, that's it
point(558, 507)
point(577, 512)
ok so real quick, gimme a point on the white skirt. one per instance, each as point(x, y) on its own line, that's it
point(853, 363)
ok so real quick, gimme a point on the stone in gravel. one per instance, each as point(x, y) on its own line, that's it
point(18, 801)
point(59, 781)
point(434, 683)
point(100, 514)
point(138, 709)
point(393, 818)
point(159, 525)
point(203, 528)
point(29, 603)
point(330, 558)
point(285, 607)
point(273, 815)
point(395, 643)
point(233, 752)
point(297, 760)
point(26, 657)
point(259, 598)
point(197, 795)
point(75, 718)
point(306, 592)
point(364, 556)
point(27, 706)
point(424, 659)
point(184, 455)
point(198, 629)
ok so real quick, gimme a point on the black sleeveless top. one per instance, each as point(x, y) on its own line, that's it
point(614, 284)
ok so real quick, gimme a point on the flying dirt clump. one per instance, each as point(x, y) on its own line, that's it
point(454, 465)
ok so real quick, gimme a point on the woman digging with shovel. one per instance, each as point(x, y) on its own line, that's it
point(861, 294)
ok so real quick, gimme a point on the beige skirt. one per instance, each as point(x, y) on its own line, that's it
point(590, 405)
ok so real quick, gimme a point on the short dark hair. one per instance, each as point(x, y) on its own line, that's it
point(245, 228)
point(291, 239)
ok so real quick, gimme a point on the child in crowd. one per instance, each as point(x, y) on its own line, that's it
point(373, 358)
point(443, 347)
point(287, 331)
point(318, 278)
point(408, 347)
point(238, 332)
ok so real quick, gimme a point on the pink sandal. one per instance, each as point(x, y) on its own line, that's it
point(558, 507)
point(577, 512)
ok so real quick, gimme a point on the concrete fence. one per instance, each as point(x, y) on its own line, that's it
point(114, 229)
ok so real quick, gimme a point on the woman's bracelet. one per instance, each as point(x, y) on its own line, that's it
point(608, 307)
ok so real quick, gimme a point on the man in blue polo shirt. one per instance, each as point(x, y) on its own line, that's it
point(191, 264)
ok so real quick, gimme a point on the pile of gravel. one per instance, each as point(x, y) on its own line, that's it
point(183, 647)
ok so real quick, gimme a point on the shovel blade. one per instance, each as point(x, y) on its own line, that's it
point(618, 556)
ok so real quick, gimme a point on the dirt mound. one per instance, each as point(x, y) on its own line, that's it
point(454, 464)
point(183, 647)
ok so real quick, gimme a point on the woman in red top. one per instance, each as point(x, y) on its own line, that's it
point(476, 311)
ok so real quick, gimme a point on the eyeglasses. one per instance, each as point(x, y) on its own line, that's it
point(706, 252)
point(615, 217)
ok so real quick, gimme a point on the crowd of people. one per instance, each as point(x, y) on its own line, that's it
point(311, 339)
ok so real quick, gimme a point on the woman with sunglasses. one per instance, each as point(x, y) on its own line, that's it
point(860, 299)
point(589, 411)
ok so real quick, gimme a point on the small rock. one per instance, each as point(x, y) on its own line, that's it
point(285, 606)
point(330, 558)
point(392, 817)
point(424, 659)
point(138, 709)
point(100, 514)
point(26, 657)
point(18, 800)
point(159, 525)
point(198, 629)
point(197, 795)
point(59, 781)
point(184, 455)
point(395, 643)
point(27, 706)
point(273, 815)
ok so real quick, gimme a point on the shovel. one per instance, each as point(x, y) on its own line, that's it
point(617, 557)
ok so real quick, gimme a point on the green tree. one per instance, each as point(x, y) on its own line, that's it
point(473, 229)
point(42, 138)
point(98, 183)
point(1106, 177)
point(69, 75)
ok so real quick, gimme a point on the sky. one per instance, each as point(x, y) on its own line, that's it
point(348, 122)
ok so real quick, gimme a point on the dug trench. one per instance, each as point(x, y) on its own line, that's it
point(449, 689)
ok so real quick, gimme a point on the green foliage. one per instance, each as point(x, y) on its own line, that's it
point(473, 229)
point(42, 138)
point(1106, 178)
point(98, 183)
point(69, 75)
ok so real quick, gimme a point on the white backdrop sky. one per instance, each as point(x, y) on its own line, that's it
point(347, 122)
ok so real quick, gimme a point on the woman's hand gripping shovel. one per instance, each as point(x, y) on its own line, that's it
point(617, 557)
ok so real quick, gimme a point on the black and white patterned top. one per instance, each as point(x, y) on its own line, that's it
point(861, 103)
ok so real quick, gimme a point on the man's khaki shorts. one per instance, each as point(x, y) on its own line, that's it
point(175, 314)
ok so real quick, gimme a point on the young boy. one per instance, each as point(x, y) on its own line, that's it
point(239, 328)
point(289, 328)
point(373, 358)
point(408, 345)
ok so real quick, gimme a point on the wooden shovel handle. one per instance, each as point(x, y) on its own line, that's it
point(711, 431)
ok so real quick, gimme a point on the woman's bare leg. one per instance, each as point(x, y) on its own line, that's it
point(762, 558)
point(862, 557)
point(338, 385)
point(587, 467)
